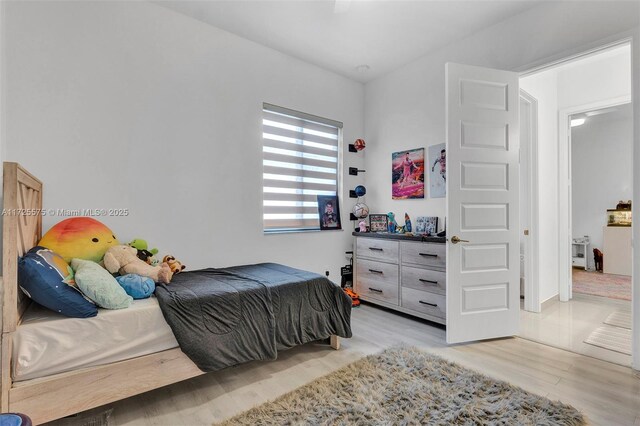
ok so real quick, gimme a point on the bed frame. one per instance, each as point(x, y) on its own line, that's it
point(63, 394)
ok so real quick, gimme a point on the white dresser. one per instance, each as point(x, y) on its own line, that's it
point(402, 273)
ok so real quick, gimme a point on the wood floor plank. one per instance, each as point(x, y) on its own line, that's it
point(607, 394)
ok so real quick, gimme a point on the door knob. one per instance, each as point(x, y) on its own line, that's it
point(455, 240)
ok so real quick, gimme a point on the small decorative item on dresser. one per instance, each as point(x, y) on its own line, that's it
point(431, 225)
point(363, 226)
point(378, 222)
point(391, 222)
point(426, 225)
point(407, 223)
point(329, 211)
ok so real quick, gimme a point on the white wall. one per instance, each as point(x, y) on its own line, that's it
point(597, 78)
point(406, 108)
point(601, 171)
point(131, 105)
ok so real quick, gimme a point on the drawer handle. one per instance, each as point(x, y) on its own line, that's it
point(422, 280)
point(375, 249)
point(428, 254)
point(375, 289)
point(375, 271)
point(427, 303)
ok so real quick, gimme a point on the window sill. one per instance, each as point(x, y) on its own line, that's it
point(296, 231)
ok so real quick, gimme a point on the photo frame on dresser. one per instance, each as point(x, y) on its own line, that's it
point(427, 225)
point(378, 222)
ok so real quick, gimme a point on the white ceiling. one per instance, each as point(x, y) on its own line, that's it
point(342, 35)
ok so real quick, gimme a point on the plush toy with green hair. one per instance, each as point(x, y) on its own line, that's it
point(143, 251)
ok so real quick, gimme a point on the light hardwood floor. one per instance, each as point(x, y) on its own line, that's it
point(606, 393)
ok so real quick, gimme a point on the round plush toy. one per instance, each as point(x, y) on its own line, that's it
point(79, 237)
point(137, 286)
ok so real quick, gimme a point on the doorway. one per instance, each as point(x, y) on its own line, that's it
point(576, 316)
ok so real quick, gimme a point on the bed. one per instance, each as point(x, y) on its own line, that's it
point(29, 381)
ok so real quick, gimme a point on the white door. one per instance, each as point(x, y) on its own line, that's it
point(483, 266)
point(529, 201)
point(525, 240)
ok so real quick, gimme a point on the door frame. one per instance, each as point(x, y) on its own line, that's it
point(564, 181)
point(540, 66)
point(532, 254)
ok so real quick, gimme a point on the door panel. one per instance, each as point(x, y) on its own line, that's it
point(483, 269)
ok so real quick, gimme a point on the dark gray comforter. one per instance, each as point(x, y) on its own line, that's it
point(224, 317)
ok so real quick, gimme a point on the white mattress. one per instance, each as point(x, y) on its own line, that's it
point(47, 343)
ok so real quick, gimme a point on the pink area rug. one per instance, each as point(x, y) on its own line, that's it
point(604, 285)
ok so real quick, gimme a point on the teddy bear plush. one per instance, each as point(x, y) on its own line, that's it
point(175, 265)
point(124, 260)
point(144, 253)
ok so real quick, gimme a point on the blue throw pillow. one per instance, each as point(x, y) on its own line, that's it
point(137, 286)
point(47, 279)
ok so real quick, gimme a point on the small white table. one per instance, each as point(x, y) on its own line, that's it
point(580, 252)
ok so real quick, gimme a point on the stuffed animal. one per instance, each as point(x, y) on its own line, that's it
point(143, 251)
point(175, 265)
point(124, 260)
point(79, 237)
point(137, 286)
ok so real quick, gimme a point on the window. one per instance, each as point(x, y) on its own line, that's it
point(299, 162)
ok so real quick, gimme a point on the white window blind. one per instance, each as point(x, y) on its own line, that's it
point(299, 162)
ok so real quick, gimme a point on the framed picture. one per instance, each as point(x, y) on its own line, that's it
point(378, 222)
point(427, 225)
point(407, 174)
point(438, 170)
point(329, 212)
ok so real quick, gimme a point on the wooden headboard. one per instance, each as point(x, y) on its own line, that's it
point(21, 230)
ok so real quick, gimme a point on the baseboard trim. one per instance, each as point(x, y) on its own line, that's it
point(549, 301)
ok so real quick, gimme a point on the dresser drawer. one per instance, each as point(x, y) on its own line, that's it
point(424, 279)
point(373, 248)
point(425, 302)
point(425, 254)
point(377, 280)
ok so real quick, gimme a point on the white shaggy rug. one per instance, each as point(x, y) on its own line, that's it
point(405, 386)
